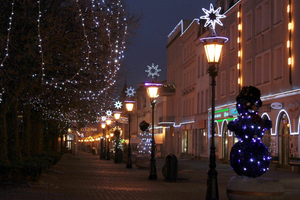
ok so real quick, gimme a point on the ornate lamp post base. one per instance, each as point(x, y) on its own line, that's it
point(129, 163)
point(152, 175)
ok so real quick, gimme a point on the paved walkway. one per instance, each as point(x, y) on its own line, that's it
point(86, 177)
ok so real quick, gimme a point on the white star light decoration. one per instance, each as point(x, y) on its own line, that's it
point(130, 92)
point(118, 105)
point(103, 118)
point(109, 113)
point(153, 70)
point(212, 16)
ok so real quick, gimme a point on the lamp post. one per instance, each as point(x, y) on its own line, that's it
point(213, 46)
point(152, 90)
point(108, 122)
point(129, 108)
point(102, 155)
point(118, 152)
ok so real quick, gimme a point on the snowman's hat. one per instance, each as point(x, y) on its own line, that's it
point(144, 125)
point(249, 93)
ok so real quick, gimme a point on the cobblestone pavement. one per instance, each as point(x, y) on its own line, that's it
point(86, 177)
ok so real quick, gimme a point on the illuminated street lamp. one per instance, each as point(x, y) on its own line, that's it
point(108, 122)
point(102, 154)
point(118, 151)
point(117, 115)
point(213, 47)
point(129, 108)
point(152, 90)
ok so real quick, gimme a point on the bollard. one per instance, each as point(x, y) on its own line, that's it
point(170, 168)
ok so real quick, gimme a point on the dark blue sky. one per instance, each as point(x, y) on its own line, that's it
point(159, 17)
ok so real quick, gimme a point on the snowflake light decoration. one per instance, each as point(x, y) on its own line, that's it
point(118, 105)
point(130, 92)
point(103, 118)
point(109, 113)
point(153, 70)
point(212, 16)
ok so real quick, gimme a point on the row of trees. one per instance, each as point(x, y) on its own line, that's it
point(59, 64)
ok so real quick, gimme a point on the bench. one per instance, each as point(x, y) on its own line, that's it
point(294, 163)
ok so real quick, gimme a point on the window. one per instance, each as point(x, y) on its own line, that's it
point(266, 68)
point(278, 62)
point(232, 36)
point(202, 102)
point(198, 102)
point(187, 80)
point(266, 15)
point(194, 76)
point(233, 81)
point(207, 99)
point(190, 107)
point(262, 68)
point(248, 26)
point(277, 11)
point(184, 81)
point(248, 73)
point(258, 21)
point(199, 69)
point(223, 84)
point(223, 49)
point(262, 16)
point(202, 64)
point(258, 61)
point(179, 108)
point(193, 106)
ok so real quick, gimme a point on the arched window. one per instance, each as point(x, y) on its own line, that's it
point(269, 141)
point(283, 139)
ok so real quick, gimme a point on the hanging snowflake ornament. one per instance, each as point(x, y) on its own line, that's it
point(212, 17)
point(130, 92)
point(109, 113)
point(103, 118)
point(153, 70)
point(118, 105)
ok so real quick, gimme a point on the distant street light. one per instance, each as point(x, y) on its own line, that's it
point(129, 108)
point(118, 152)
point(152, 90)
point(102, 155)
point(108, 122)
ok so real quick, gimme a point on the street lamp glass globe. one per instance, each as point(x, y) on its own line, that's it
point(108, 121)
point(102, 125)
point(129, 105)
point(117, 115)
point(213, 52)
point(152, 91)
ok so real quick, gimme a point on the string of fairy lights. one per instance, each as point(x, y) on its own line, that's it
point(109, 71)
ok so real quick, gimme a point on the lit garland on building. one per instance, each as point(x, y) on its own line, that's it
point(289, 45)
point(239, 41)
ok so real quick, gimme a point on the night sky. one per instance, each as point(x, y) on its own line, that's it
point(159, 17)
